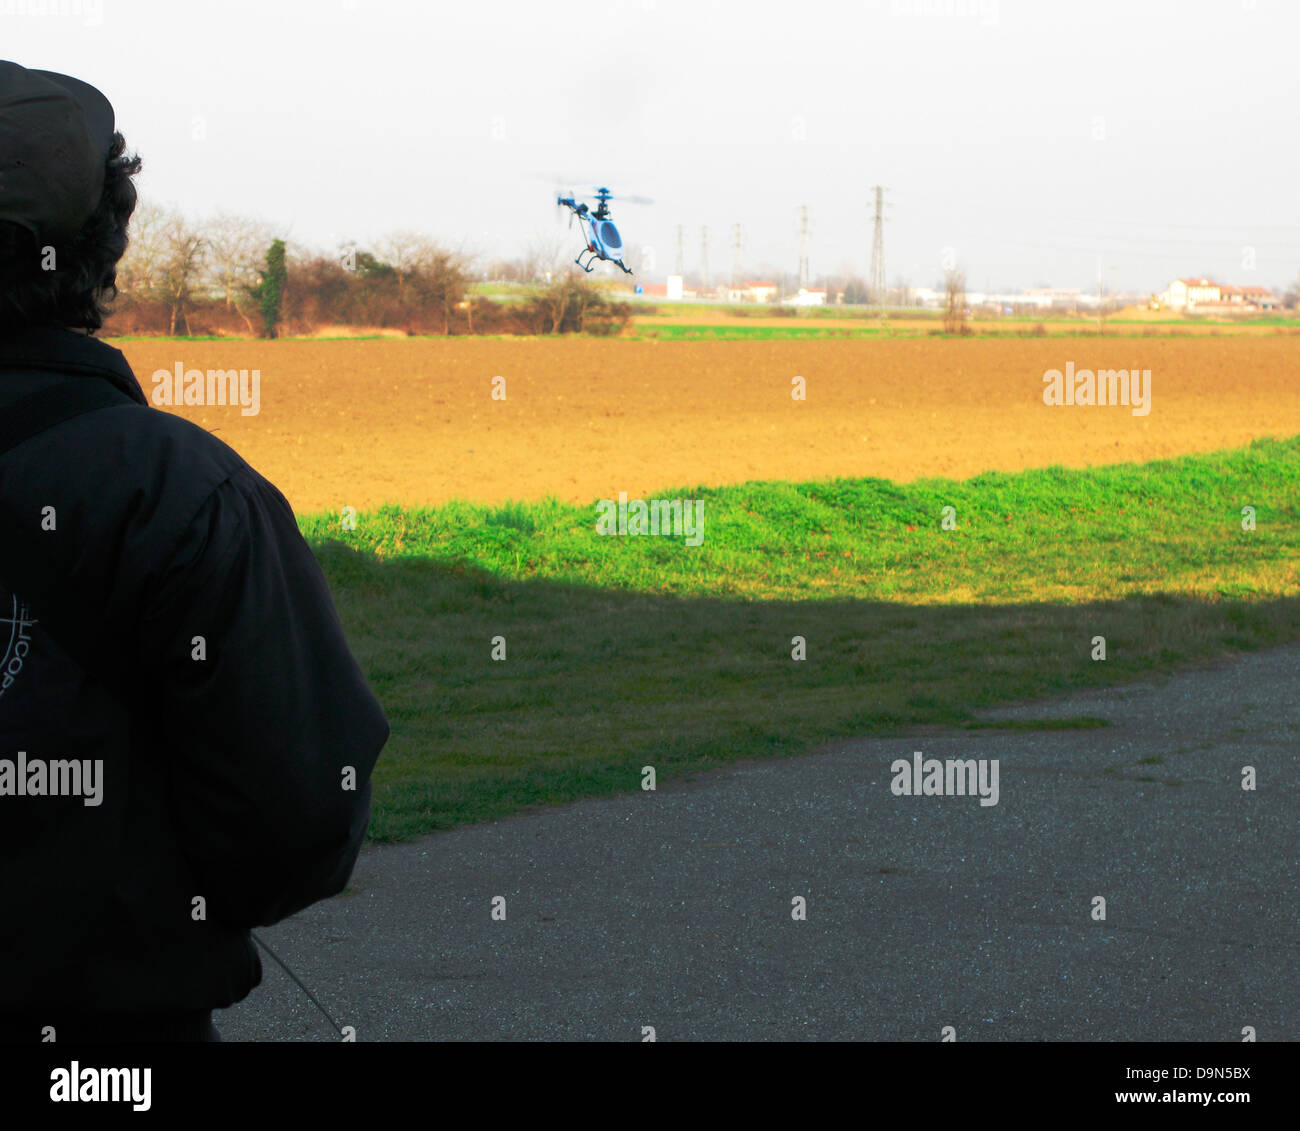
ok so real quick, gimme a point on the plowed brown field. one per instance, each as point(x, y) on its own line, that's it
point(364, 422)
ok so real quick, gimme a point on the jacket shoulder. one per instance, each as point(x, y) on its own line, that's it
point(127, 457)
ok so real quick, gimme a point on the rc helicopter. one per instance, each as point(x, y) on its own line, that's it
point(603, 240)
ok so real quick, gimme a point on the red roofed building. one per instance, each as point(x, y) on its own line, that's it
point(763, 290)
point(1209, 297)
point(1187, 294)
point(1249, 298)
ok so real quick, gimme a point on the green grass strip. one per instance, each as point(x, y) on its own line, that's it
point(629, 651)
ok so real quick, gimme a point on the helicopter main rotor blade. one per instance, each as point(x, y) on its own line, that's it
point(622, 197)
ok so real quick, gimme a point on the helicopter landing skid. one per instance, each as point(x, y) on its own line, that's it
point(589, 265)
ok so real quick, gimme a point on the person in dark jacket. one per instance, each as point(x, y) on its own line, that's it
point(186, 740)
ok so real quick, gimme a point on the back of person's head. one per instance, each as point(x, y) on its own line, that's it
point(66, 197)
point(73, 283)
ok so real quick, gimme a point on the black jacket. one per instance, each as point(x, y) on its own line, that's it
point(126, 534)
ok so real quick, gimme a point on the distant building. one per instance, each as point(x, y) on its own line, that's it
point(757, 291)
point(806, 297)
point(1208, 297)
point(1045, 298)
point(1250, 298)
point(1188, 294)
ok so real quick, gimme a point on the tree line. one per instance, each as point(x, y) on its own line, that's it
point(234, 275)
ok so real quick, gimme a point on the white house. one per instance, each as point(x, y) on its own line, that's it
point(1187, 294)
point(762, 291)
point(806, 298)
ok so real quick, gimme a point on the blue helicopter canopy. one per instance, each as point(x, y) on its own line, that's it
point(609, 236)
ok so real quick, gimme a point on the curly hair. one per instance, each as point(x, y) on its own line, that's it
point(80, 291)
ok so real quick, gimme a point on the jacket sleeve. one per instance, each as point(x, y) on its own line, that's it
point(265, 724)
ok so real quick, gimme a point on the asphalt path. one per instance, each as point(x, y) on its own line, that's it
point(675, 910)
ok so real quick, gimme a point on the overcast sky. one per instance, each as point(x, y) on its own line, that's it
point(1028, 136)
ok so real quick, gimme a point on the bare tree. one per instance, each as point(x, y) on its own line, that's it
point(506, 270)
point(427, 274)
point(404, 252)
point(556, 301)
point(575, 304)
point(444, 279)
point(547, 257)
point(139, 272)
point(1291, 298)
point(180, 268)
point(856, 291)
point(235, 248)
point(954, 306)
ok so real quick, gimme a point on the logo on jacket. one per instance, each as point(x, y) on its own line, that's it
point(16, 632)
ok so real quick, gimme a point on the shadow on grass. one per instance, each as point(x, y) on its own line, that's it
point(596, 683)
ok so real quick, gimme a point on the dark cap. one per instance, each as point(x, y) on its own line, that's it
point(55, 135)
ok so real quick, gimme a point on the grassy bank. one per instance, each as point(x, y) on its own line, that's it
point(627, 651)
